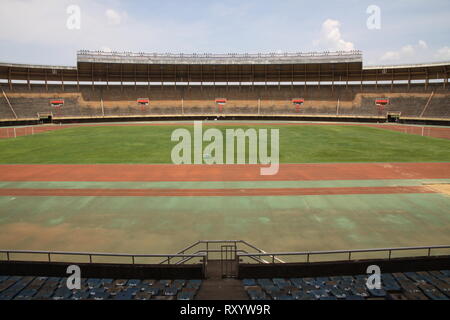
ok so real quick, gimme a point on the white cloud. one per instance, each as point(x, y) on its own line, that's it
point(331, 38)
point(443, 53)
point(406, 52)
point(114, 17)
point(423, 44)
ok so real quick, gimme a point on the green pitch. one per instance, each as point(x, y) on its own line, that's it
point(153, 145)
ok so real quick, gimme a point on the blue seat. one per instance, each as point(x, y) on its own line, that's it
point(97, 291)
point(123, 296)
point(153, 291)
point(322, 279)
point(131, 290)
point(283, 297)
point(143, 296)
point(391, 286)
point(133, 282)
point(297, 282)
point(264, 282)
point(249, 282)
point(44, 294)
point(379, 293)
point(26, 294)
point(170, 291)
point(185, 296)
point(80, 295)
point(101, 296)
point(414, 276)
point(339, 293)
point(436, 295)
point(359, 290)
point(106, 281)
point(62, 294)
point(94, 283)
point(179, 283)
point(272, 290)
point(445, 272)
point(194, 284)
point(319, 293)
point(256, 295)
point(354, 298)
point(328, 298)
point(282, 283)
point(301, 295)
point(165, 283)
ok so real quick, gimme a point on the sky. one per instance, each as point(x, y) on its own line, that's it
point(50, 32)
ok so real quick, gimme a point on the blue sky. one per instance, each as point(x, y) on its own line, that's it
point(411, 31)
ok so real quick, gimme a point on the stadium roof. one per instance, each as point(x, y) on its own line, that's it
point(220, 59)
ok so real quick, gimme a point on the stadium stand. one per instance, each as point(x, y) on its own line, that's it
point(432, 285)
point(333, 85)
point(55, 288)
point(240, 101)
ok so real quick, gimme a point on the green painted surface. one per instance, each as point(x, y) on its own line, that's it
point(151, 144)
point(220, 184)
point(167, 224)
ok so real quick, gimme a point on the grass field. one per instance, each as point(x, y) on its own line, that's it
point(37, 213)
point(152, 145)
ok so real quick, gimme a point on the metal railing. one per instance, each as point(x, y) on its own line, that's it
point(241, 246)
point(349, 253)
point(49, 254)
point(220, 55)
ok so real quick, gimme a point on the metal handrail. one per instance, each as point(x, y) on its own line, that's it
point(349, 252)
point(207, 242)
point(102, 254)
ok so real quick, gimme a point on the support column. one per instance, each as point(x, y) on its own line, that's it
point(346, 83)
point(265, 77)
point(28, 79)
point(121, 77)
point(446, 77)
point(279, 78)
point(9, 79)
point(107, 76)
point(162, 77)
point(292, 77)
point(409, 78)
point(46, 79)
point(362, 78)
point(376, 78)
point(62, 79)
point(175, 82)
point(78, 80)
point(332, 80)
point(189, 76)
point(135, 77)
point(305, 78)
point(392, 79)
point(201, 77)
point(318, 86)
point(92, 75)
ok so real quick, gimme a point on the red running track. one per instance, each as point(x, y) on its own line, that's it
point(287, 172)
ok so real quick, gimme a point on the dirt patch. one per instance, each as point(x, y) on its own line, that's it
point(440, 188)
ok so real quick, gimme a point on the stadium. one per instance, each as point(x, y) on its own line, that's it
point(86, 178)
